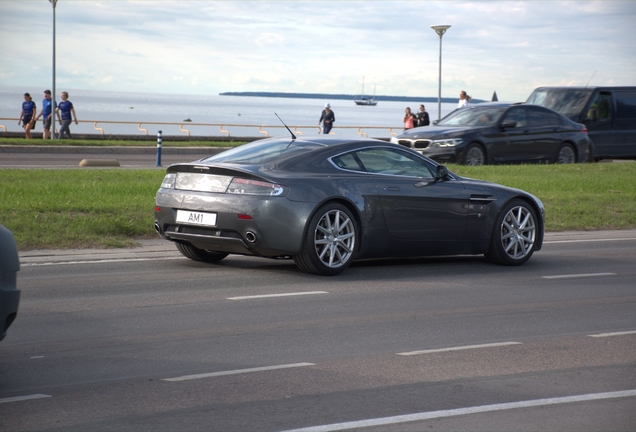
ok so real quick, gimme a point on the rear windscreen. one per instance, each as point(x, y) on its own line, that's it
point(261, 152)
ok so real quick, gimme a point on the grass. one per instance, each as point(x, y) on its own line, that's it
point(112, 207)
point(166, 142)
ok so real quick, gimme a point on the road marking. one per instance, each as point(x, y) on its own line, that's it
point(23, 398)
point(114, 260)
point(582, 275)
point(277, 295)
point(590, 240)
point(614, 334)
point(459, 348)
point(465, 411)
point(238, 371)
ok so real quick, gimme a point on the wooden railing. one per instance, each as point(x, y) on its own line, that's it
point(224, 128)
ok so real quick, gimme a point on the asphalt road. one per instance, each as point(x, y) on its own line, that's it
point(147, 340)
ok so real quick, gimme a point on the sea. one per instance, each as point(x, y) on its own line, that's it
point(241, 116)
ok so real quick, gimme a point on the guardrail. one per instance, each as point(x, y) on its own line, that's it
point(223, 127)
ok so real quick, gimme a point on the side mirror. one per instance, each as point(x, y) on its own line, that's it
point(508, 124)
point(441, 172)
point(435, 122)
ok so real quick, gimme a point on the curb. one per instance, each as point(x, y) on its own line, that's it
point(110, 149)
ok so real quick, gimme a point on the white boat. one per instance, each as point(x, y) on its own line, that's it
point(363, 100)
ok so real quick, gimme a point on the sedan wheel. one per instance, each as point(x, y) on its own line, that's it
point(566, 154)
point(330, 241)
point(474, 155)
point(196, 254)
point(514, 235)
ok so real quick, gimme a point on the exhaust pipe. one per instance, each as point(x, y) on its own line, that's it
point(158, 228)
point(250, 237)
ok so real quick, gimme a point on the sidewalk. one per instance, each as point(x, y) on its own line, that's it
point(162, 249)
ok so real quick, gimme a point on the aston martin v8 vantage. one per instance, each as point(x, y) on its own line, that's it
point(325, 202)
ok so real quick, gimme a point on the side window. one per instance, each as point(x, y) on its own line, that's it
point(394, 162)
point(602, 106)
point(348, 161)
point(517, 115)
point(539, 117)
point(625, 104)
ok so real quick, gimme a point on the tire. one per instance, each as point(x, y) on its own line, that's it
point(197, 254)
point(566, 154)
point(330, 241)
point(514, 234)
point(474, 155)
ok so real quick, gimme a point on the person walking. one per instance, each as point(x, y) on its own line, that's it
point(64, 111)
point(408, 118)
point(27, 115)
point(47, 115)
point(422, 117)
point(327, 118)
point(463, 99)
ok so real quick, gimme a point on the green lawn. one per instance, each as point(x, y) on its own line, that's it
point(77, 208)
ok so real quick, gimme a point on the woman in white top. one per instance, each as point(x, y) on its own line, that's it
point(463, 99)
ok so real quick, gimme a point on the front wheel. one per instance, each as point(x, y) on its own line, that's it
point(514, 234)
point(474, 155)
point(197, 254)
point(330, 241)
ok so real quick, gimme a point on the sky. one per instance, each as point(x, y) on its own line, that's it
point(319, 46)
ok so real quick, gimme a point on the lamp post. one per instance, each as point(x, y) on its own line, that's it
point(440, 30)
point(54, 3)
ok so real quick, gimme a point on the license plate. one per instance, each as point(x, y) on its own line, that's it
point(196, 218)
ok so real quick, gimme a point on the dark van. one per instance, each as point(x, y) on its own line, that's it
point(608, 112)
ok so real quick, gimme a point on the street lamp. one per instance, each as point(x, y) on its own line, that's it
point(440, 30)
point(54, 3)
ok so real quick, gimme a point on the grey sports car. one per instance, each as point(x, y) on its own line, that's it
point(327, 201)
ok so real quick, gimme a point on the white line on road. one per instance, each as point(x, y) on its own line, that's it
point(23, 398)
point(277, 295)
point(238, 371)
point(459, 348)
point(97, 261)
point(589, 240)
point(582, 275)
point(465, 411)
point(622, 333)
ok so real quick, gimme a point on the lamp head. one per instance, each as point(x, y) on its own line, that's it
point(440, 29)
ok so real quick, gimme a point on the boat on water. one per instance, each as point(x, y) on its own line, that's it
point(364, 100)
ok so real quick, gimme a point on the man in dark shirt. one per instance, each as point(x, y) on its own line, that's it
point(327, 118)
point(422, 117)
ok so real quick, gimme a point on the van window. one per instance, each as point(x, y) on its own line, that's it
point(625, 104)
point(564, 101)
point(603, 107)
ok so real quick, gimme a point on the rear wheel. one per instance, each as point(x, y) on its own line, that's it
point(566, 154)
point(514, 235)
point(474, 155)
point(330, 241)
point(197, 254)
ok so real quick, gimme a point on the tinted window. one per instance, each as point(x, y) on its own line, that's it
point(539, 117)
point(389, 162)
point(262, 152)
point(567, 102)
point(625, 104)
point(603, 107)
point(473, 116)
point(348, 161)
point(517, 115)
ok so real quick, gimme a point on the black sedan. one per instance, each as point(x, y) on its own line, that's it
point(325, 202)
point(500, 132)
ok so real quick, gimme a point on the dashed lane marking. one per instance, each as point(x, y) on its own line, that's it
point(277, 295)
point(238, 371)
point(582, 275)
point(621, 333)
point(24, 398)
point(459, 348)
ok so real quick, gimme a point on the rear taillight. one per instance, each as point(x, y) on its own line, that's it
point(584, 130)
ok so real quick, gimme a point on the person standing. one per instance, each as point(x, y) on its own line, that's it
point(463, 99)
point(327, 118)
point(64, 111)
point(422, 117)
point(27, 115)
point(408, 118)
point(47, 115)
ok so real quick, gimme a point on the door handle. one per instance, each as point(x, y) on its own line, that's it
point(392, 188)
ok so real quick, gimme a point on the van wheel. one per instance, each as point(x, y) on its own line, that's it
point(566, 154)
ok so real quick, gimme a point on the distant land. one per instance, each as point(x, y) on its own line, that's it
point(343, 96)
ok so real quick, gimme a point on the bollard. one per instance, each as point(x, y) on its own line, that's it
point(158, 164)
point(9, 293)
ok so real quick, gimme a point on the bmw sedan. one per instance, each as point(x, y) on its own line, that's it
point(500, 132)
point(324, 202)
